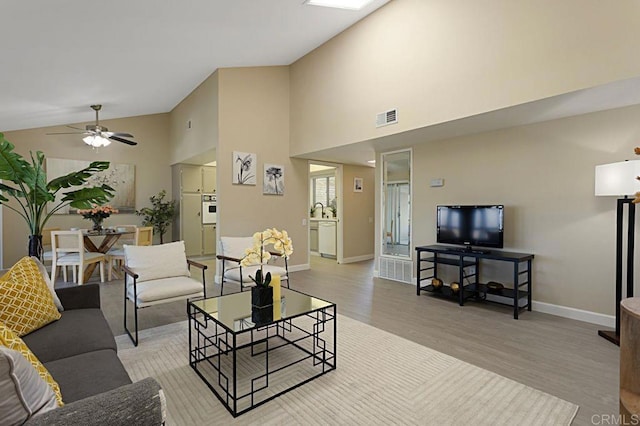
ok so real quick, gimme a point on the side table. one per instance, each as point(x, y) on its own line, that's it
point(630, 359)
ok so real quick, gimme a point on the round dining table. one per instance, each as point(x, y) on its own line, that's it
point(109, 238)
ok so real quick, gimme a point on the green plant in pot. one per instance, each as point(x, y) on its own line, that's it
point(262, 293)
point(32, 193)
point(160, 214)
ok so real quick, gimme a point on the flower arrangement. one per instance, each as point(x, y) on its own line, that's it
point(97, 214)
point(258, 253)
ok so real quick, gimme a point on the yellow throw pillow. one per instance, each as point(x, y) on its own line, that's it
point(25, 300)
point(9, 339)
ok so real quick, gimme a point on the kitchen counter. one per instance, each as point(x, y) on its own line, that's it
point(323, 219)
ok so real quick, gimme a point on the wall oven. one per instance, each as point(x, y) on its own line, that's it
point(209, 209)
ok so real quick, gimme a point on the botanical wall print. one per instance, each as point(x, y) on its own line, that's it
point(244, 168)
point(357, 184)
point(120, 177)
point(273, 182)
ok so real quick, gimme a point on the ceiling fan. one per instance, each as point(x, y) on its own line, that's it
point(97, 135)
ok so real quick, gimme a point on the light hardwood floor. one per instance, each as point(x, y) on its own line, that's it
point(563, 357)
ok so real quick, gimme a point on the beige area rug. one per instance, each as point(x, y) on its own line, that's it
point(381, 379)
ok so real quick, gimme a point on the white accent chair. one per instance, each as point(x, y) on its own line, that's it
point(68, 250)
point(142, 237)
point(158, 274)
point(233, 250)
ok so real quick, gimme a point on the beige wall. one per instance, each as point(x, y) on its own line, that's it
point(442, 60)
point(544, 175)
point(150, 157)
point(254, 117)
point(201, 109)
point(359, 210)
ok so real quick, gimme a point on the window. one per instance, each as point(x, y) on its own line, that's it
point(324, 190)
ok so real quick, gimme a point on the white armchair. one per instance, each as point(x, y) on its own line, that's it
point(158, 274)
point(233, 250)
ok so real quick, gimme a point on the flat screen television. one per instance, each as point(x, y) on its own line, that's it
point(479, 226)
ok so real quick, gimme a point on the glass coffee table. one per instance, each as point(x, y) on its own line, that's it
point(248, 356)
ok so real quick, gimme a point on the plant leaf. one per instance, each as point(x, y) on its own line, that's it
point(77, 178)
point(12, 166)
point(85, 198)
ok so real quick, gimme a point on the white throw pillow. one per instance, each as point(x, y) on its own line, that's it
point(154, 262)
point(47, 279)
point(24, 393)
point(235, 246)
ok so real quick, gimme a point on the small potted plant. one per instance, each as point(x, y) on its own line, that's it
point(262, 293)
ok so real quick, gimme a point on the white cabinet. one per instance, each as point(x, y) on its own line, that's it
point(191, 178)
point(191, 223)
point(209, 239)
point(313, 235)
point(189, 182)
point(327, 238)
point(208, 179)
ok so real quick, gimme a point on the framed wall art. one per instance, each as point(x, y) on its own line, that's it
point(244, 168)
point(357, 184)
point(273, 180)
point(121, 177)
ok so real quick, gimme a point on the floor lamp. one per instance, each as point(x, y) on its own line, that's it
point(619, 179)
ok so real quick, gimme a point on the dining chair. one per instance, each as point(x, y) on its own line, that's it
point(68, 250)
point(143, 236)
point(232, 252)
point(47, 253)
point(126, 238)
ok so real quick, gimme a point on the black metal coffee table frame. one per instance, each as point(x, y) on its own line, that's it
point(211, 342)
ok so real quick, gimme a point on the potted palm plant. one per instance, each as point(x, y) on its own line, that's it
point(32, 193)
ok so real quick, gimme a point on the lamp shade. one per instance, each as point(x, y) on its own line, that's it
point(618, 179)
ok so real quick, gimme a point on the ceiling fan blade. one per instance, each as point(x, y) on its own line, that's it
point(128, 142)
point(70, 133)
point(76, 128)
point(109, 134)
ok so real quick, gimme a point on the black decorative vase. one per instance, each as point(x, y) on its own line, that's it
point(35, 246)
point(262, 315)
point(261, 296)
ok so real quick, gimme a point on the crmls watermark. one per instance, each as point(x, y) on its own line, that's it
point(615, 419)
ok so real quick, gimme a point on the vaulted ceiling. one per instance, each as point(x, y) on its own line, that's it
point(144, 56)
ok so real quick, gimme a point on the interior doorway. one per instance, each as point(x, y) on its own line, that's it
point(325, 210)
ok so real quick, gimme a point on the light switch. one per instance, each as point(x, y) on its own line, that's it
point(437, 182)
point(304, 222)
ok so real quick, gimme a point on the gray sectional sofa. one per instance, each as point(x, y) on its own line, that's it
point(79, 351)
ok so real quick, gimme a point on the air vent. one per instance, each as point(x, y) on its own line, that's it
point(387, 117)
point(397, 270)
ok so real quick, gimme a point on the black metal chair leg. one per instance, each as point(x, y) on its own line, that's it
point(135, 314)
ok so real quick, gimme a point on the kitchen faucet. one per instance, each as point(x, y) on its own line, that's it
point(321, 205)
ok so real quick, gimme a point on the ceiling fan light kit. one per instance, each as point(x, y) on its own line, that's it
point(96, 141)
point(98, 136)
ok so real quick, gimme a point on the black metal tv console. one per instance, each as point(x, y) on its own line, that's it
point(429, 257)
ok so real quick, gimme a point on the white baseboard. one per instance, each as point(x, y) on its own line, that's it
point(357, 258)
point(573, 313)
point(301, 267)
point(562, 311)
